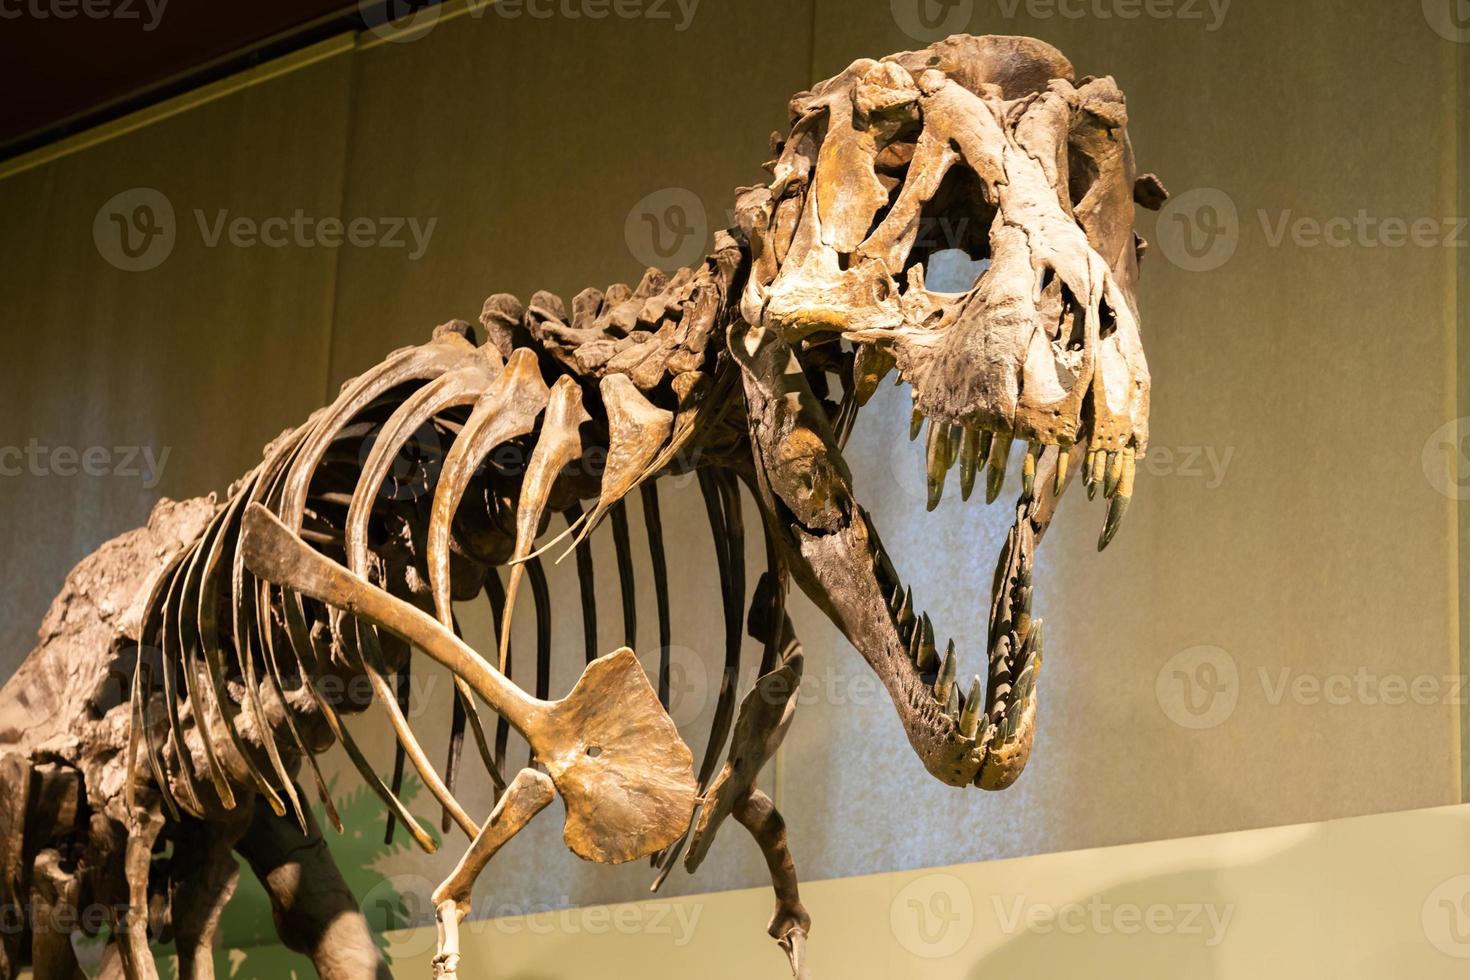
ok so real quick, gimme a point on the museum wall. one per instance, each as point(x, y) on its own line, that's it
point(1273, 639)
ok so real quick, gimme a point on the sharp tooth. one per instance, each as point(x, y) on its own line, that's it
point(952, 707)
point(970, 718)
point(1118, 506)
point(895, 601)
point(1028, 470)
point(1064, 460)
point(1114, 474)
point(905, 615)
point(925, 654)
point(1000, 451)
point(969, 460)
point(1096, 465)
point(939, 460)
point(944, 686)
point(916, 425)
point(1031, 648)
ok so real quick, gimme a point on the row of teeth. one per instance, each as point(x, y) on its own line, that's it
point(973, 447)
point(1014, 663)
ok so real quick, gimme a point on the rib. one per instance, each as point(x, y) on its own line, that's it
point(653, 522)
point(586, 584)
point(623, 545)
point(506, 411)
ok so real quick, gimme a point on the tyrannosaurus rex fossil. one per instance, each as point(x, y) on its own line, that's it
point(191, 668)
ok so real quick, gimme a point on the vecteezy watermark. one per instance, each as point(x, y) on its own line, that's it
point(934, 20)
point(62, 917)
point(301, 230)
point(1446, 459)
point(1446, 917)
point(679, 13)
point(1201, 687)
point(122, 462)
point(136, 230)
point(409, 20)
point(407, 899)
point(399, 20)
point(933, 917)
point(1450, 19)
point(1200, 230)
point(1205, 920)
point(1198, 688)
point(668, 229)
point(148, 13)
point(1363, 230)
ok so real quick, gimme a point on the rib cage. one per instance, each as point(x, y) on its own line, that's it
point(236, 667)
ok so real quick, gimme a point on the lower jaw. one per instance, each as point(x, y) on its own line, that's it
point(838, 572)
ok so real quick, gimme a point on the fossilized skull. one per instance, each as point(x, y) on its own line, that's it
point(986, 147)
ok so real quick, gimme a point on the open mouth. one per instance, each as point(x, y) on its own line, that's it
point(982, 715)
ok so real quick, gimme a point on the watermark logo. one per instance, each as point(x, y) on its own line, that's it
point(932, 20)
point(121, 462)
point(135, 230)
point(147, 12)
point(399, 20)
point(933, 917)
point(1208, 922)
point(689, 682)
point(1446, 917)
point(668, 229)
point(1198, 688)
point(1450, 19)
point(680, 13)
point(1446, 459)
point(1199, 230)
point(415, 467)
point(403, 899)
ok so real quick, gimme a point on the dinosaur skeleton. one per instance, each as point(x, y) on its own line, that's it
point(189, 672)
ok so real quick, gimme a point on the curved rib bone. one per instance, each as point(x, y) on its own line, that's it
point(626, 777)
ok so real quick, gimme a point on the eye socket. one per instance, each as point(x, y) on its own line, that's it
point(952, 270)
point(594, 751)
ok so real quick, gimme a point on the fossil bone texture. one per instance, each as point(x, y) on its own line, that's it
point(191, 670)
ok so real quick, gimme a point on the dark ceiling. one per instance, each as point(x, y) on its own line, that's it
point(67, 65)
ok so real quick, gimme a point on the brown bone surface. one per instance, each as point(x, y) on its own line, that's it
point(961, 215)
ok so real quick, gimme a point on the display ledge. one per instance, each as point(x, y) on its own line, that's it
point(1368, 898)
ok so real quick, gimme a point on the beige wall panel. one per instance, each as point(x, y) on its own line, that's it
point(531, 141)
point(205, 356)
point(1353, 899)
point(1286, 517)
